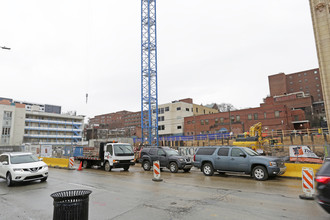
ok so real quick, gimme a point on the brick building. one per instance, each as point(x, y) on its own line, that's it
point(274, 116)
point(301, 90)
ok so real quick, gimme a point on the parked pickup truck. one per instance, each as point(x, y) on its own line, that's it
point(110, 155)
point(237, 159)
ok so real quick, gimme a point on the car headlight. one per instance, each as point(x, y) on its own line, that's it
point(181, 159)
point(273, 164)
point(45, 166)
point(18, 170)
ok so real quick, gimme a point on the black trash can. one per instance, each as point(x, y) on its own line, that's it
point(71, 204)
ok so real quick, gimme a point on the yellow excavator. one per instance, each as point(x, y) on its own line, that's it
point(254, 139)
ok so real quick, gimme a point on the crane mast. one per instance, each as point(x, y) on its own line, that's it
point(149, 94)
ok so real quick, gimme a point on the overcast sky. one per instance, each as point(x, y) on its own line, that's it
point(211, 51)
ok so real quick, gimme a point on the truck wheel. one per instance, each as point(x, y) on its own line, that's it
point(146, 165)
point(85, 164)
point(260, 173)
point(173, 167)
point(126, 168)
point(107, 167)
point(208, 169)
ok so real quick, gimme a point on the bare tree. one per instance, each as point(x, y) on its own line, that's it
point(225, 107)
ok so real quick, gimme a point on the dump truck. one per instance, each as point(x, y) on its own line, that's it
point(109, 155)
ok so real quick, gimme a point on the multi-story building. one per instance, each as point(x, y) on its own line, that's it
point(22, 126)
point(29, 106)
point(171, 115)
point(272, 115)
point(12, 123)
point(301, 90)
point(321, 21)
point(53, 129)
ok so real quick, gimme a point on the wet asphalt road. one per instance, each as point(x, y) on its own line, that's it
point(133, 195)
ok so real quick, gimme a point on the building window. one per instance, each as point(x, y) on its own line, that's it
point(291, 83)
point(216, 121)
point(197, 110)
point(299, 74)
point(187, 109)
point(249, 116)
point(306, 80)
point(221, 120)
point(255, 116)
point(277, 114)
point(202, 122)
point(316, 78)
point(265, 115)
point(305, 74)
point(193, 121)
point(206, 121)
point(290, 77)
point(317, 85)
point(315, 72)
point(167, 109)
point(178, 127)
point(299, 81)
point(238, 118)
point(178, 108)
point(318, 90)
point(161, 111)
point(232, 118)
point(162, 118)
point(161, 127)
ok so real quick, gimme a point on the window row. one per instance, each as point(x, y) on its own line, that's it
point(254, 116)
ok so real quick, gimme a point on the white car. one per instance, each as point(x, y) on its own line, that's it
point(22, 167)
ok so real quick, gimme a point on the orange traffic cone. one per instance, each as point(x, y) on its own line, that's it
point(80, 166)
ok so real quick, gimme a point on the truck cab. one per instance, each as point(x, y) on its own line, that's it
point(116, 155)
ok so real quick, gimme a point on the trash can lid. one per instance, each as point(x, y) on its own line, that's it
point(71, 194)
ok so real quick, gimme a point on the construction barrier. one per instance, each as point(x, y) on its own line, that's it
point(56, 162)
point(295, 169)
point(71, 162)
point(156, 168)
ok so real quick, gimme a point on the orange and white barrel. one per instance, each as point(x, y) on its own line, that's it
point(156, 168)
point(308, 181)
point(71, 162)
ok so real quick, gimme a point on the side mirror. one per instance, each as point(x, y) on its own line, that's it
point(4, 163)
point(242, 155)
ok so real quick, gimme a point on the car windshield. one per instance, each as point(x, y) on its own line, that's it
point(123, 149)
point(28, 158)
point(250, 152)
point(171, 152)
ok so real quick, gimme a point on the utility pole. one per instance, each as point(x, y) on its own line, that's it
point(149, 89)
point(5, 48)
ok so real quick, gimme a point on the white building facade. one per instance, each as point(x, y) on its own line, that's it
point(12, 124)
point(171, 116)
point(53, 129)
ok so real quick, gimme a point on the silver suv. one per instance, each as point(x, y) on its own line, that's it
point(225, 159)
point(22, 167)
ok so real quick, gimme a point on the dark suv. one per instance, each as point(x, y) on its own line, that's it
point(323, 185)
point(237, 159)
point(167, 157)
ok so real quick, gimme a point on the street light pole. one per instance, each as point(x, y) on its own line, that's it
point(5, 48)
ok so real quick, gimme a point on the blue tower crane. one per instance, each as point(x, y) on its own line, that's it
point(149, 94)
